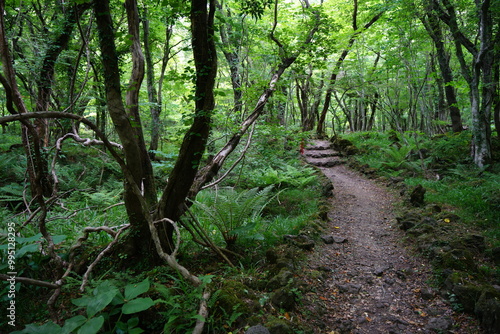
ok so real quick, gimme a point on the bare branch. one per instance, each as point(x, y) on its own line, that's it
point(245, 149)
point(170, 258)
point(30, 281)
point(104, 251)
point(202, 313)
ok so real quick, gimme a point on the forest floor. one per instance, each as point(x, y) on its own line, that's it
point(368, 280)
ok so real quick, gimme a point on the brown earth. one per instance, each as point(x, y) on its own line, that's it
point(366, 279)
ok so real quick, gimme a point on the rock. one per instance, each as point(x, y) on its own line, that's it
point(328, 239)
point(417, 196)
point(278, 326)
point(408, 221)
point(406, 225)
point(351, 150)
point(495, 255)
point(426, 294)
point(234, 296)
point(271, 256)
point(281, 279)
point(339, 240)
point(439, 324)
point(349, 288)
point(459, 259)
point(468, 295)
point(259, 329)
point(488, 310)
point(327, 190)
point(283, 298)
point(304, 242)
point(474, 241)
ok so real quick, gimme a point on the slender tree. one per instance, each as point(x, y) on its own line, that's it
point(478, 73)
point(356, 32)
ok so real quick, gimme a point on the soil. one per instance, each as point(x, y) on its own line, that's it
point(368, 280)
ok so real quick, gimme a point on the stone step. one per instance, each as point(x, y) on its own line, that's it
point(328, 163)
point(319, 148)
point(322, 154)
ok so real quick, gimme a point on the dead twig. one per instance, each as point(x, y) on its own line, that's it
point(104, 251)
point(30, 281)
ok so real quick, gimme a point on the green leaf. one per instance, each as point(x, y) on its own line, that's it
point(73, 323)
point(27, 249)
point(81, 302)
point(92, 326)
point(134, 290)
point(103, 295)
point(48, 328)
point(22, 240)
point(133, 322)
point(137, 305)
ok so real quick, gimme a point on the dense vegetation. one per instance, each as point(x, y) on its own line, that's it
point(149, 152)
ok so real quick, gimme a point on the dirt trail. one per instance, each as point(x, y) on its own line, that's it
point(367, 281)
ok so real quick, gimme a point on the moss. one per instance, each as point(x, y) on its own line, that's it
point(278, 326)
point(458, 259)
point(235, 296)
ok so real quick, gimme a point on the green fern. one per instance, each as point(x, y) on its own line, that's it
point(230, 211)
point(11, 193)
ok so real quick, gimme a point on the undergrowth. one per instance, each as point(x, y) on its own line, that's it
point(441, 164)
point(269, 194)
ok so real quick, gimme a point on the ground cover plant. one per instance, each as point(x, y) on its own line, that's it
point(246, 216)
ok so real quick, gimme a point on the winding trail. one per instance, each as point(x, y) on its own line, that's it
point(367, 281)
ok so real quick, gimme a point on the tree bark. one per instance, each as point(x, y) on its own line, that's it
point(193, 146)
point(230, 50)
point(431, 24)
point(127, 122)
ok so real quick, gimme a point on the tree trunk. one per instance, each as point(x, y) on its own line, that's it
point(230, 50)
point(193, 146)
point(478, 75)
point(431, 24)
point(320, 129)
point(127, 122)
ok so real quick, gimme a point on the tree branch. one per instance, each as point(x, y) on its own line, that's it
point(30, 281)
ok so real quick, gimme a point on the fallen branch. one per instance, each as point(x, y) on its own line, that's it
point(172, 262)
point(170, 258)
point(30, 281)
point(202, 313)
point(104, 251)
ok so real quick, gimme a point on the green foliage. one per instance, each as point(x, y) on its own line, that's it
point(180, 303)
point(255, 8)
point(233, 213)
point(12, 193)
point(281, 175)
point(12, 167)
point(473, 193)
point(104, 308)
point(450, 148)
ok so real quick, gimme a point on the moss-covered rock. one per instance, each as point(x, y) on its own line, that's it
point(278, 326)
point(467, 295)
point(236, 297)
point(284, 298)
point(458, 259)
point(283, 278)
point(488, 310)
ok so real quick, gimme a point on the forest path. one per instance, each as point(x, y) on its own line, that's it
point(367, 281)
